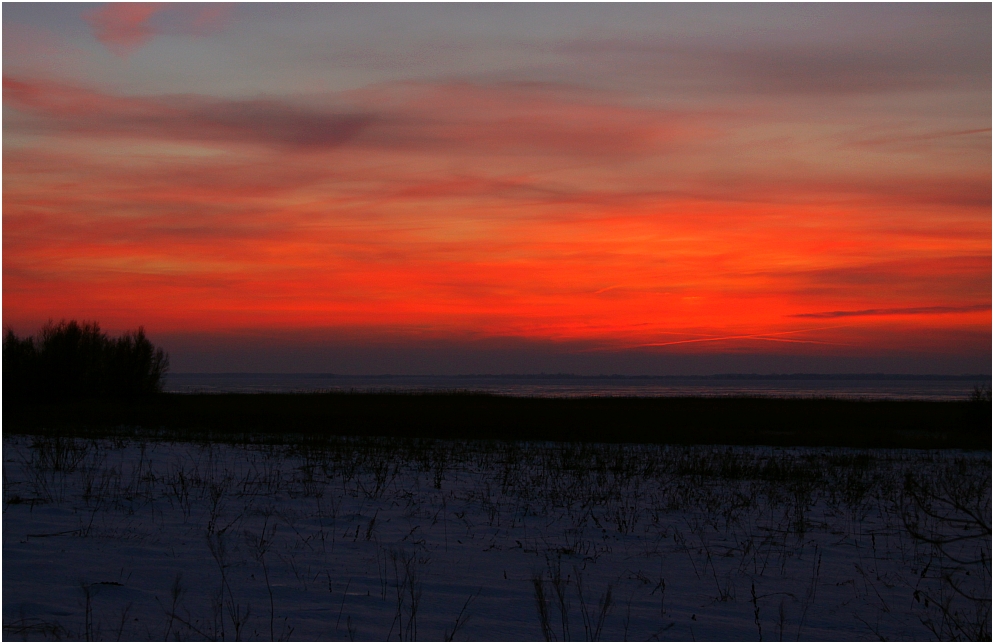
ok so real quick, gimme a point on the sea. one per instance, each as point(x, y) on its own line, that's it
point(852, 386)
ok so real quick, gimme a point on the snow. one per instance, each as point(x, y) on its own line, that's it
point(377, 539)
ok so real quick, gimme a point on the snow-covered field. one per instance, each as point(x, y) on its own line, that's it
point(432, 540)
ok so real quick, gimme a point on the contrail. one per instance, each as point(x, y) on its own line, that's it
point(753, 336)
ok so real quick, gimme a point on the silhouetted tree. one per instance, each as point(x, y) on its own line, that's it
point(136, 365)
point(70, 360)
point(20, 366)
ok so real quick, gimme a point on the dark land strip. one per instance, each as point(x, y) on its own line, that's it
point(313, 417)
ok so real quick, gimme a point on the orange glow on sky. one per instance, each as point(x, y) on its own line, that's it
point(468, 208)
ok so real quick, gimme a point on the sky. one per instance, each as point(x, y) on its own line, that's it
point(505, 188)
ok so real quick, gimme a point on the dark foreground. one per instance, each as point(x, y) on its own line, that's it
point(385, 539)
point(730, 421)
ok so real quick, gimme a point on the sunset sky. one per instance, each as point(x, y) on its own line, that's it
point(452, 188)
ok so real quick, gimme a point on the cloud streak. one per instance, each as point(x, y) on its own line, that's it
point(910, 310)
point(81, 111)
point(795, 70)
point(496, 127)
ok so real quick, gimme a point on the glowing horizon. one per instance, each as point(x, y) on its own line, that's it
point(807, 182)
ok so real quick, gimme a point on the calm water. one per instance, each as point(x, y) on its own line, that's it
point(879, 387)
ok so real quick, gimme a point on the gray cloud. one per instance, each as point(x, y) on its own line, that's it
point(812, 50)
point(273, 122)
point(815, 70)
point(473, 118)
point(67, 108)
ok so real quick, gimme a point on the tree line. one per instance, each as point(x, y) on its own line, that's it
point(71, 360)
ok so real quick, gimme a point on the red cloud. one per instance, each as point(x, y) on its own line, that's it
point(124, 26)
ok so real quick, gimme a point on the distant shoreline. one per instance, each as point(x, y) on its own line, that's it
point(854, 386)
point(571, 376)
point(313, 417)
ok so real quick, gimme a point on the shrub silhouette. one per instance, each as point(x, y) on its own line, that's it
point(70, 360)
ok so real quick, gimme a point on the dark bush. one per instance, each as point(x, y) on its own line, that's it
point(71, 360)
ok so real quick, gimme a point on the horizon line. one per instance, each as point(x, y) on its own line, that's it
point(616, 376)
